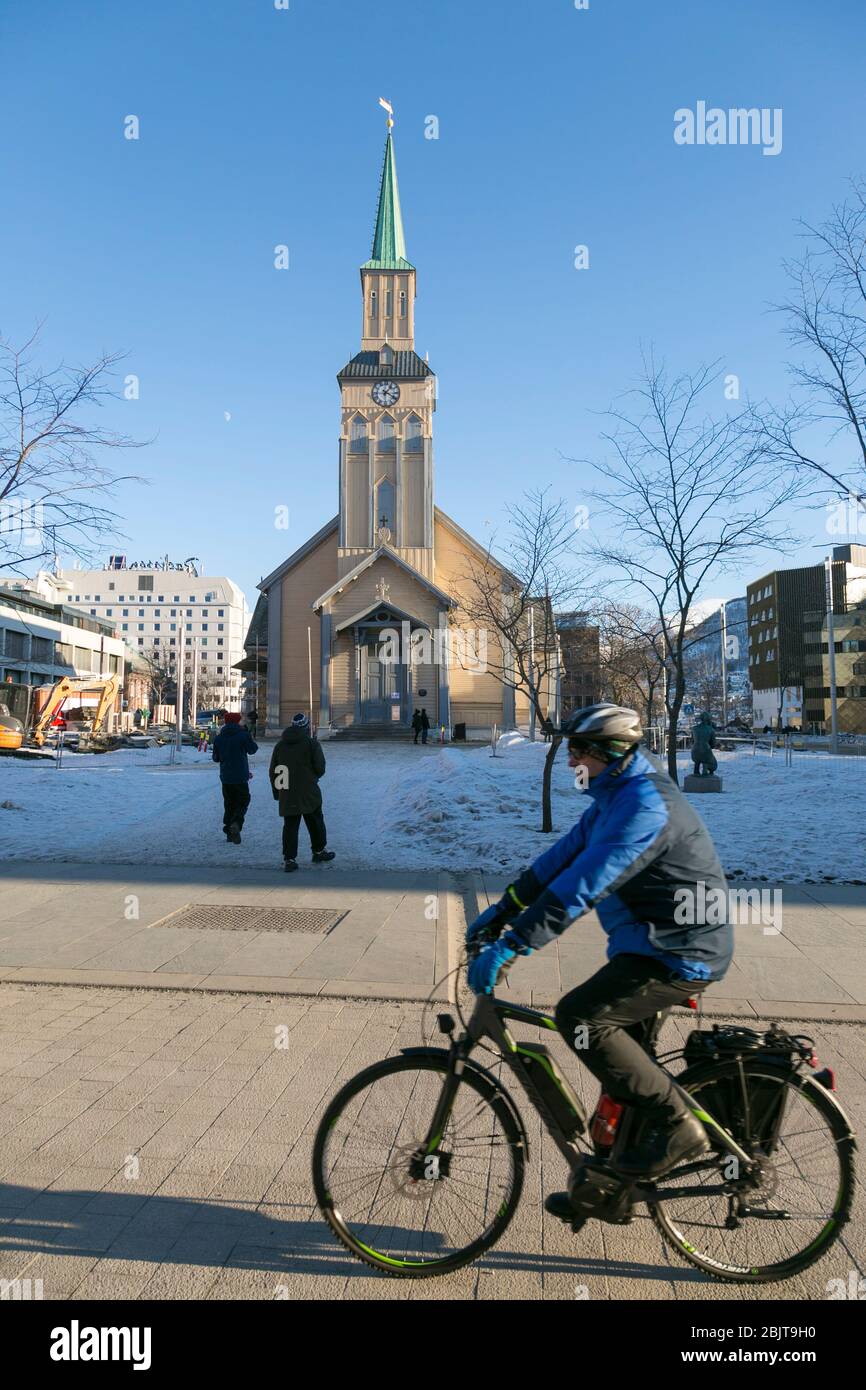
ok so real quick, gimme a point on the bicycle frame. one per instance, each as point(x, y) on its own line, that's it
point(489, 1020)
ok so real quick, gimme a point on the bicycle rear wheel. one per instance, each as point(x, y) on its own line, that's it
point(806, 1150)
point(395, 1210)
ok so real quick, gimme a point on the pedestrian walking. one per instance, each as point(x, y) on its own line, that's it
point(231, 749)
point(416, 724)
point(425, 725)
point(297, 764)
point(253, 722)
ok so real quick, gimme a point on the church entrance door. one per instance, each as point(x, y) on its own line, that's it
point(380, 686)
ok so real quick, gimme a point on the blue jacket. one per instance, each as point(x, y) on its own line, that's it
point(640, 855)
point(231, 747)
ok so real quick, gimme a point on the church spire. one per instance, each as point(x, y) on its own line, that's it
point(389, 245)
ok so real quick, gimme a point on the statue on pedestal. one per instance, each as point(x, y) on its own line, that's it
point(703, 742)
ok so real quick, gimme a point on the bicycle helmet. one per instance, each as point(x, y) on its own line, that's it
point(608, 731)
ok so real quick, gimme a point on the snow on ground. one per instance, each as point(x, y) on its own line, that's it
point(395, 805)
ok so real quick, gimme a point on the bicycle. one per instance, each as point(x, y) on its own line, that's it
point(438, 1170)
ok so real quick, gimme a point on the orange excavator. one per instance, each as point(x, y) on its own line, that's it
point(106, 687)
point(11, 730)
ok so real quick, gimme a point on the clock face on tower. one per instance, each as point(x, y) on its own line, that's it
point(386, 393)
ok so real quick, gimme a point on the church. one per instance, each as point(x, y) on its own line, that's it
point(360, 625)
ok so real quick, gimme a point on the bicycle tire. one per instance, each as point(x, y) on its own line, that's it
point(842, 1137)
point(502, 1108)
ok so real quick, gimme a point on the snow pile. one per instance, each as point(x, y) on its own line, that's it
point(467, 809)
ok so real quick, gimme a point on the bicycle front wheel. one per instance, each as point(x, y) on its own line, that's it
point(778, 1225)
point(381, 1194)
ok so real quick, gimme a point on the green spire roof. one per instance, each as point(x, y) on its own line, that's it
point(389, 246)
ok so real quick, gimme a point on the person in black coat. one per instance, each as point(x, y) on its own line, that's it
point(425, 726)
point(231, 749)
point(416, 724)
point(297, 763)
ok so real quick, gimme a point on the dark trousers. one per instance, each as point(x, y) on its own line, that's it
point(315, 823)
point(236, 799)
point(417, 732)
point(424, 733)
point(625, 991)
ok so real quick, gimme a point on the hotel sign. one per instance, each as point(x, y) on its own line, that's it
point(119, 562)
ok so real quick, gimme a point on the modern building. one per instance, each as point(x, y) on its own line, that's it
point(43, 638)
point(849, 645)
point(390, 561)
point(580, 673)
point(159, 608)
point(788, 648)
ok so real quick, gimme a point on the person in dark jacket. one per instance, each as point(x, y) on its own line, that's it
point(231, 749)
point(640, 854)
point(297, 763)
point(416, 724)
point(425, 725)
point(253, 722)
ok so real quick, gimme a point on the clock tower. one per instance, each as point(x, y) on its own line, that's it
point(387, 403)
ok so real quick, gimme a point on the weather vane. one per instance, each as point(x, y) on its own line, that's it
point(389, 108)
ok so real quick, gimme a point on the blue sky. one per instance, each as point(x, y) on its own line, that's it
point(261, 126)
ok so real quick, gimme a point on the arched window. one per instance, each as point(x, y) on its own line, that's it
point(358, 435)
point(374, 304)
point(414, 441)
point(402, 304)
point(386, 435)
point(385, 505)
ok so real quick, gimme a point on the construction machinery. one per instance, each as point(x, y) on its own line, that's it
point(11, 730)
point(106, 687)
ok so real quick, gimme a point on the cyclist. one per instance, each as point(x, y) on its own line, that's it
point(644, 858)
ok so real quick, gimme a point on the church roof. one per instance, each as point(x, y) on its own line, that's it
point(389, 244)
point(405, 366)
point(271, 579)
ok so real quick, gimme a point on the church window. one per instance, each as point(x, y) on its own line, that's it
point(402, 304)
point(388, 309)
point(414, 437)
point(385, 504)
point(386, 435)
point(358, 435)
point(374, 304)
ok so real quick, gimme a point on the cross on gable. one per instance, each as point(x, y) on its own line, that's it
point(382, 589)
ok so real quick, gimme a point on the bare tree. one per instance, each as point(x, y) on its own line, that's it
point(52, 490)
point(160, 674)
point(514, 601)
point(826, 315)
point(691, 496)
point(632, 659)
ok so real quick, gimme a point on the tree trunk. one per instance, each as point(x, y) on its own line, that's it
point(546, 814)
point(673, 722)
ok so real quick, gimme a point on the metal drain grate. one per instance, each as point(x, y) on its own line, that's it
point(237, 917)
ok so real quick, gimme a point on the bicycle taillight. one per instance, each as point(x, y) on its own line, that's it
point(605, 1122)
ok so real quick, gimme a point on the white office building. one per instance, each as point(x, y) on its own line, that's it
point(161, 607)
point(43, 639)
